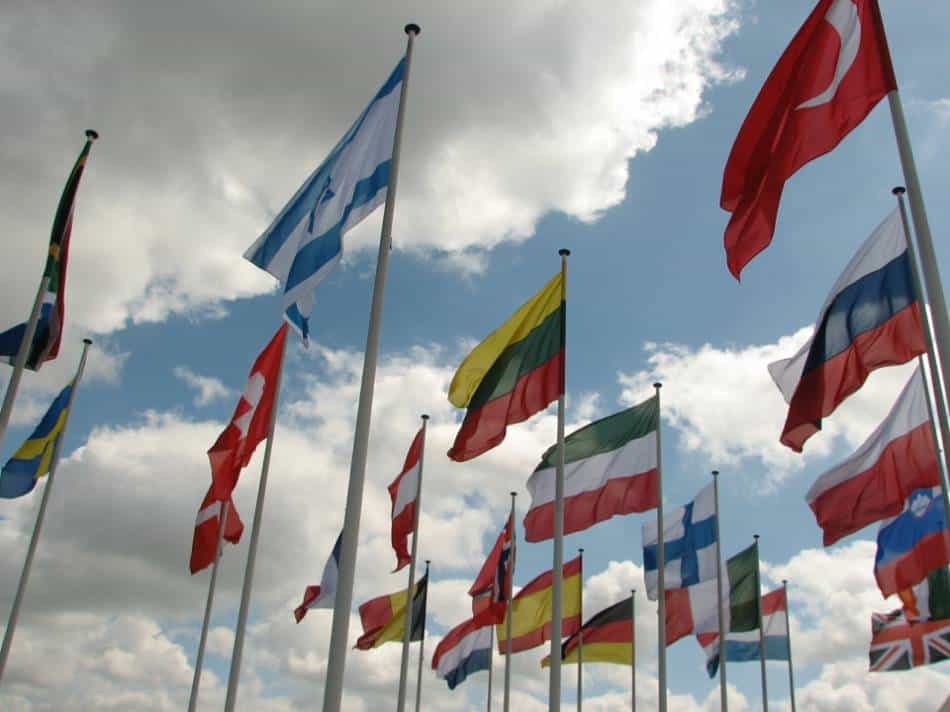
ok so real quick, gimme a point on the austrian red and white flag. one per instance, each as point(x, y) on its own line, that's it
point(205, 541)
point(251, 420)
point(835, 71)
point(403, 491)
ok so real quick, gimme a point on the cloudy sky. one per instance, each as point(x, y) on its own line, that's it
point(531, 126)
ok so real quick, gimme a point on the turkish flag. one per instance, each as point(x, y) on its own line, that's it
point(250, 422)
point(835, 71)
point(205, 541)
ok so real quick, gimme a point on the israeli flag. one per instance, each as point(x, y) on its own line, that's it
point(305, 240)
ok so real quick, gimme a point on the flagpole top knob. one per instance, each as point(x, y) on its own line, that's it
point(784, 582)
point(513, 494)
point(564, 252)
point(899, 190)
point(657, 385)
point(755, 536)
point(92, 134)
point(412, 29)
point(428, 561)
point(425, 416)
point(581, 550)
point(87, 341)
point(715, 473)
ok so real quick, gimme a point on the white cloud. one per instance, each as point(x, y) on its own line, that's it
point(208, 388)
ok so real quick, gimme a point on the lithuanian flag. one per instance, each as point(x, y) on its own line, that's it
point(384, 618)
point(513, 374)
point(608, 638)
point(531, 610)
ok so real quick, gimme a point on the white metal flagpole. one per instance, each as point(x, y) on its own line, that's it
point(580, 642)
point(333, 691)
point(633, 650)
point(223, 512)
point(234, 675)
point(788, 630)
point(491, 655)
point(660, 564)
point(422, 646)
point(724, 703)
point(509, 594)
point(40, 515)
point(758, 604)
point(407, 633)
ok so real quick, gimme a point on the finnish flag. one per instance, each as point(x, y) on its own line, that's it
point(305, 240)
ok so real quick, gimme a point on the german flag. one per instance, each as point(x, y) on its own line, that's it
point(513, 374)
point(607, 637)
point(384, 618)
point(531, 610)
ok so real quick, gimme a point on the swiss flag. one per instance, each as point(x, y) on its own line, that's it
point(206, 531)
point(250, 422)
point(835, 71)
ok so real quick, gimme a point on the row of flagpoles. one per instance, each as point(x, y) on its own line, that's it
point(305, 241)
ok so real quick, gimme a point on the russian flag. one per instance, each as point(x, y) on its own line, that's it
point(870, 320)
point(914, 543)
point(898, 458)
point(322, 596)
point(464, 650)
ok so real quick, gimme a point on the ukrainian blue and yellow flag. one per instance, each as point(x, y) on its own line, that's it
point(34, 457)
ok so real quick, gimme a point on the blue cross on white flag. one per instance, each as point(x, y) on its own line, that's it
point(305, 240)
point(689, 544)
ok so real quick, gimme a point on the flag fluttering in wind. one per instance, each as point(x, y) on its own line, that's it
point(914, 543)
point(835, 70)
point(607, 638)
point(689, 534)
point(870, 320)
point(305, 240)
point(899, 644)
point(204, 544)
point(384, 618)
point(32, 460)
point(610, 468)
point(464, 650)
point(531, 610)
point(513, 374)
point(251, 420)
point(930, 599)
point(490, 588)
point(49, 327)
point(322, 596)
point(402, 491)
point(873, 483)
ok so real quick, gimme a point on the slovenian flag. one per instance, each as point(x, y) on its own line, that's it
point(913, 543)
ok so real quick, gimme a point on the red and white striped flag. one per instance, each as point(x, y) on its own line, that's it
point(205, 541)
point(402, 491)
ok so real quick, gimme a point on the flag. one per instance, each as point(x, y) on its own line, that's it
point(914, 543)
point(513, 374)
point(607, 637)
point(322, 596)
point(531, 610)
point(929, 599)
point(251, 420)
point(610, 468)
point(464, 650)
point(490, 589)
point(870, 320)
point(305, 240)
point(743, 646)
point(873, 483)
point(49, 327)
point(35, 456)
point(897, 644)
point(693, 609)
point(384, 618)
point(836, 69)
point(689, 537)
point(204, 544)
point(402, 491)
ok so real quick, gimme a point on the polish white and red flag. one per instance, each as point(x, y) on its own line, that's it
point(205, 540)
point(836, 69)
point(403, 492)
point(251, 420)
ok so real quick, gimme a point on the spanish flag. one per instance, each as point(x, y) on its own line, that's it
point(384, 618)
point(513, 374)
point(608, 637)
point(531, 610)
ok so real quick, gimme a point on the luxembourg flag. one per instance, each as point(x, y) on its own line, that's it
point(914, 543)
point(464, 650)
point(870, 320)
point(305, 240)
point(322, 596)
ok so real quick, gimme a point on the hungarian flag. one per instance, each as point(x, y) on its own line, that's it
point(531, 610)
point(402, 491)
point(610, 468)
point(513, 374)
point(251, 420)
point(607, 638)
point(384, 618)
point(205, 541)
point(49, 327)
point(836, 69)
point(489, 592)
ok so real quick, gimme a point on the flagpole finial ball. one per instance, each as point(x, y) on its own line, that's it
point(92, 134)
point(513, 494)
point(581, 550)
point(564, 252)
point(428, 561)
point(784, 581)
point(715, 473)
point(657, 385)
point(412, 29)
point(755, 536)
point(899, 190)
point(87, 341)
point(425, 416)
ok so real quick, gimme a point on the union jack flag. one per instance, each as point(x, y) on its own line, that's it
point(897, 644)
